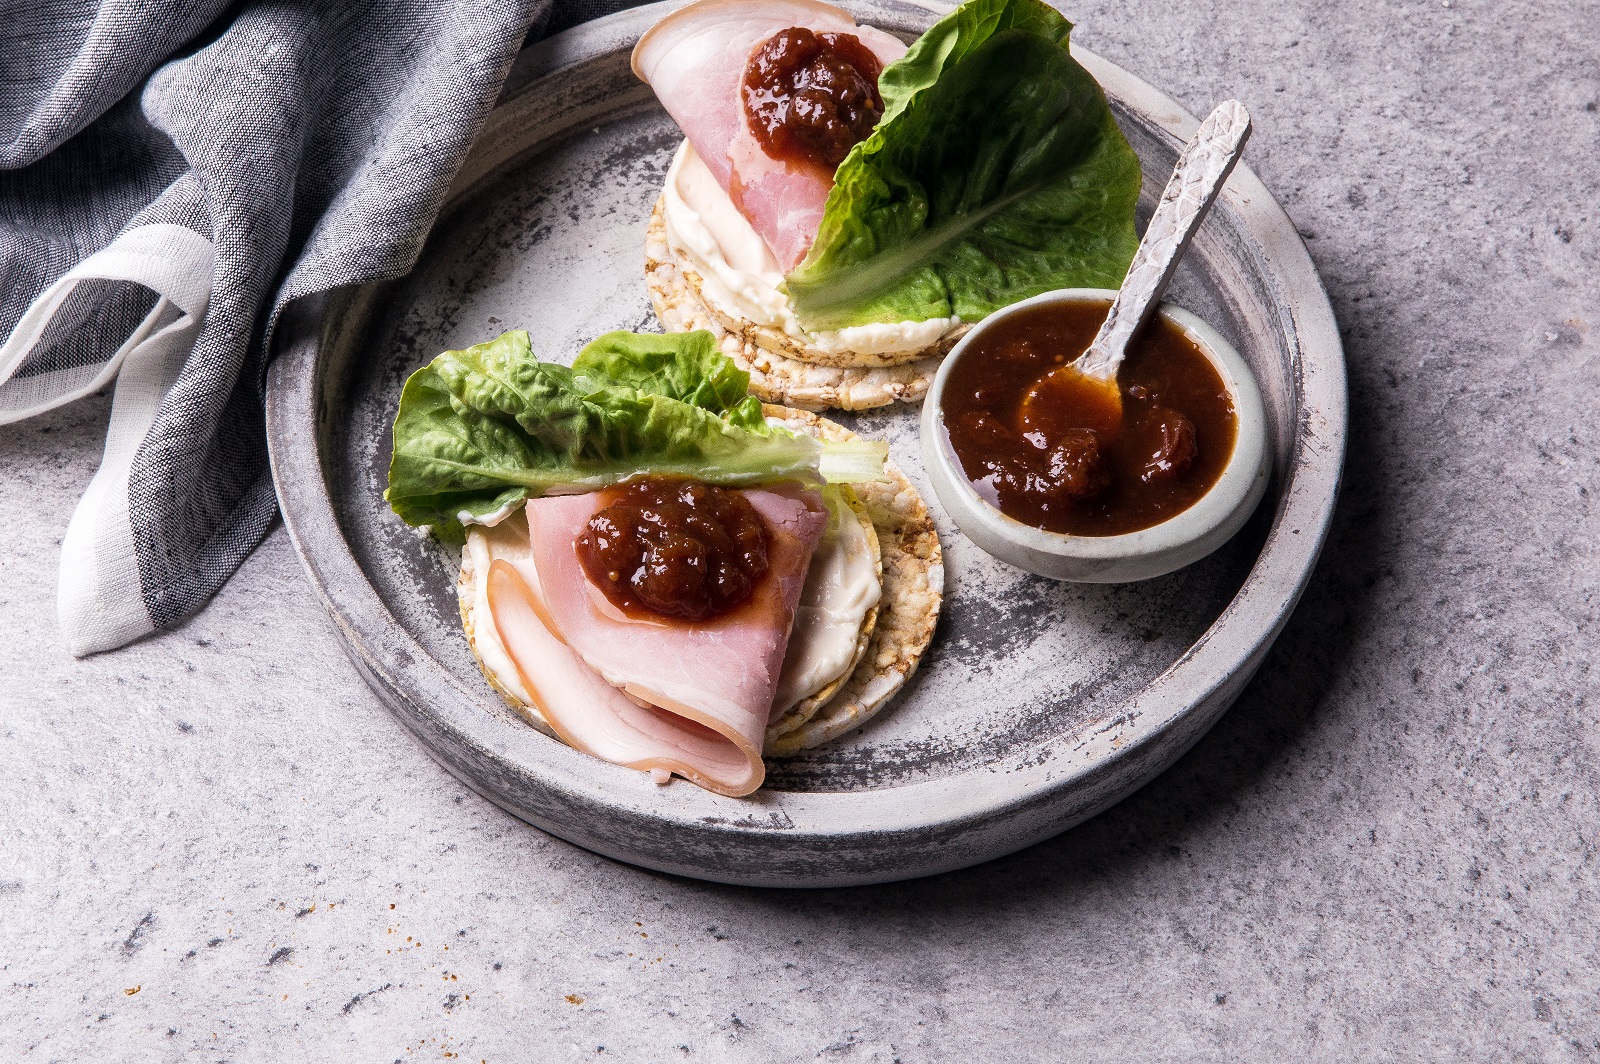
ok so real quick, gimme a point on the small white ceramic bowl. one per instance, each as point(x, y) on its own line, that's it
point(1155, 551)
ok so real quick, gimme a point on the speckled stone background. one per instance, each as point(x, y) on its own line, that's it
point(216, 845)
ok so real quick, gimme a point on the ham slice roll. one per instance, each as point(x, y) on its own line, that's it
point(695, 59)
point(692, 698)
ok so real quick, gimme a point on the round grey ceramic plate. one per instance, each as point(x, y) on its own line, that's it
point(1038, 704)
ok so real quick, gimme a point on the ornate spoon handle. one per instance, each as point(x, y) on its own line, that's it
point(1202, 168)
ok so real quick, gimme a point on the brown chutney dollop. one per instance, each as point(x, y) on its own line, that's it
point(1050, 449)
point(671, 547)
point(811, 97)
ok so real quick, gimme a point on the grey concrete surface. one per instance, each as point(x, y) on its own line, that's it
point(216, 845)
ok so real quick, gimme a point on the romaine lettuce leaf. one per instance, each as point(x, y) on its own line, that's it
point(996, 173)
point(683, 366)
point(485, 428)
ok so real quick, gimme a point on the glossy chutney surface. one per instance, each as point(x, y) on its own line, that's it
point(810, 97)
point(670, 547)
point(1050, 448)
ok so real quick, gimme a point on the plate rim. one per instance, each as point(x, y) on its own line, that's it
point(1005, 811)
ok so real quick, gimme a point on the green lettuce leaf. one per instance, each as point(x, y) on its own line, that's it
point(483, 429)
point(683, 366)
point(996, 173)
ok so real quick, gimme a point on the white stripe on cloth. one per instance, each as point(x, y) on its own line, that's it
point(100, 605)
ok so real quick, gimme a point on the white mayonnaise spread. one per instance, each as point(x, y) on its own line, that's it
point(740, 277)
point(476, 556)
point(493, 517)
point(841, 586)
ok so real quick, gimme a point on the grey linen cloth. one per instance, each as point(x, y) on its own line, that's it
point(172, 174)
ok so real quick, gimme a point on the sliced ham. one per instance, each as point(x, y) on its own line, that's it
point(592, 716)
point(721, 672)
point(692, 699)
point(694, 59)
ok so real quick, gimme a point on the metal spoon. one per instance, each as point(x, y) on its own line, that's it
point(1205, 164)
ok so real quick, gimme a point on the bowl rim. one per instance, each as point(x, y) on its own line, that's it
point(1211, 511)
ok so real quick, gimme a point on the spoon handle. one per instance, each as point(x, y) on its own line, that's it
point(1202, 168)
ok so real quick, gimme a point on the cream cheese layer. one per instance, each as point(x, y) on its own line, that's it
point(477, 556)
point(494, 517)
point(842, 585)
point(740, 278)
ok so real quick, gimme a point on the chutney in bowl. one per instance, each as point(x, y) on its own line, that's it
point(1053, 473)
